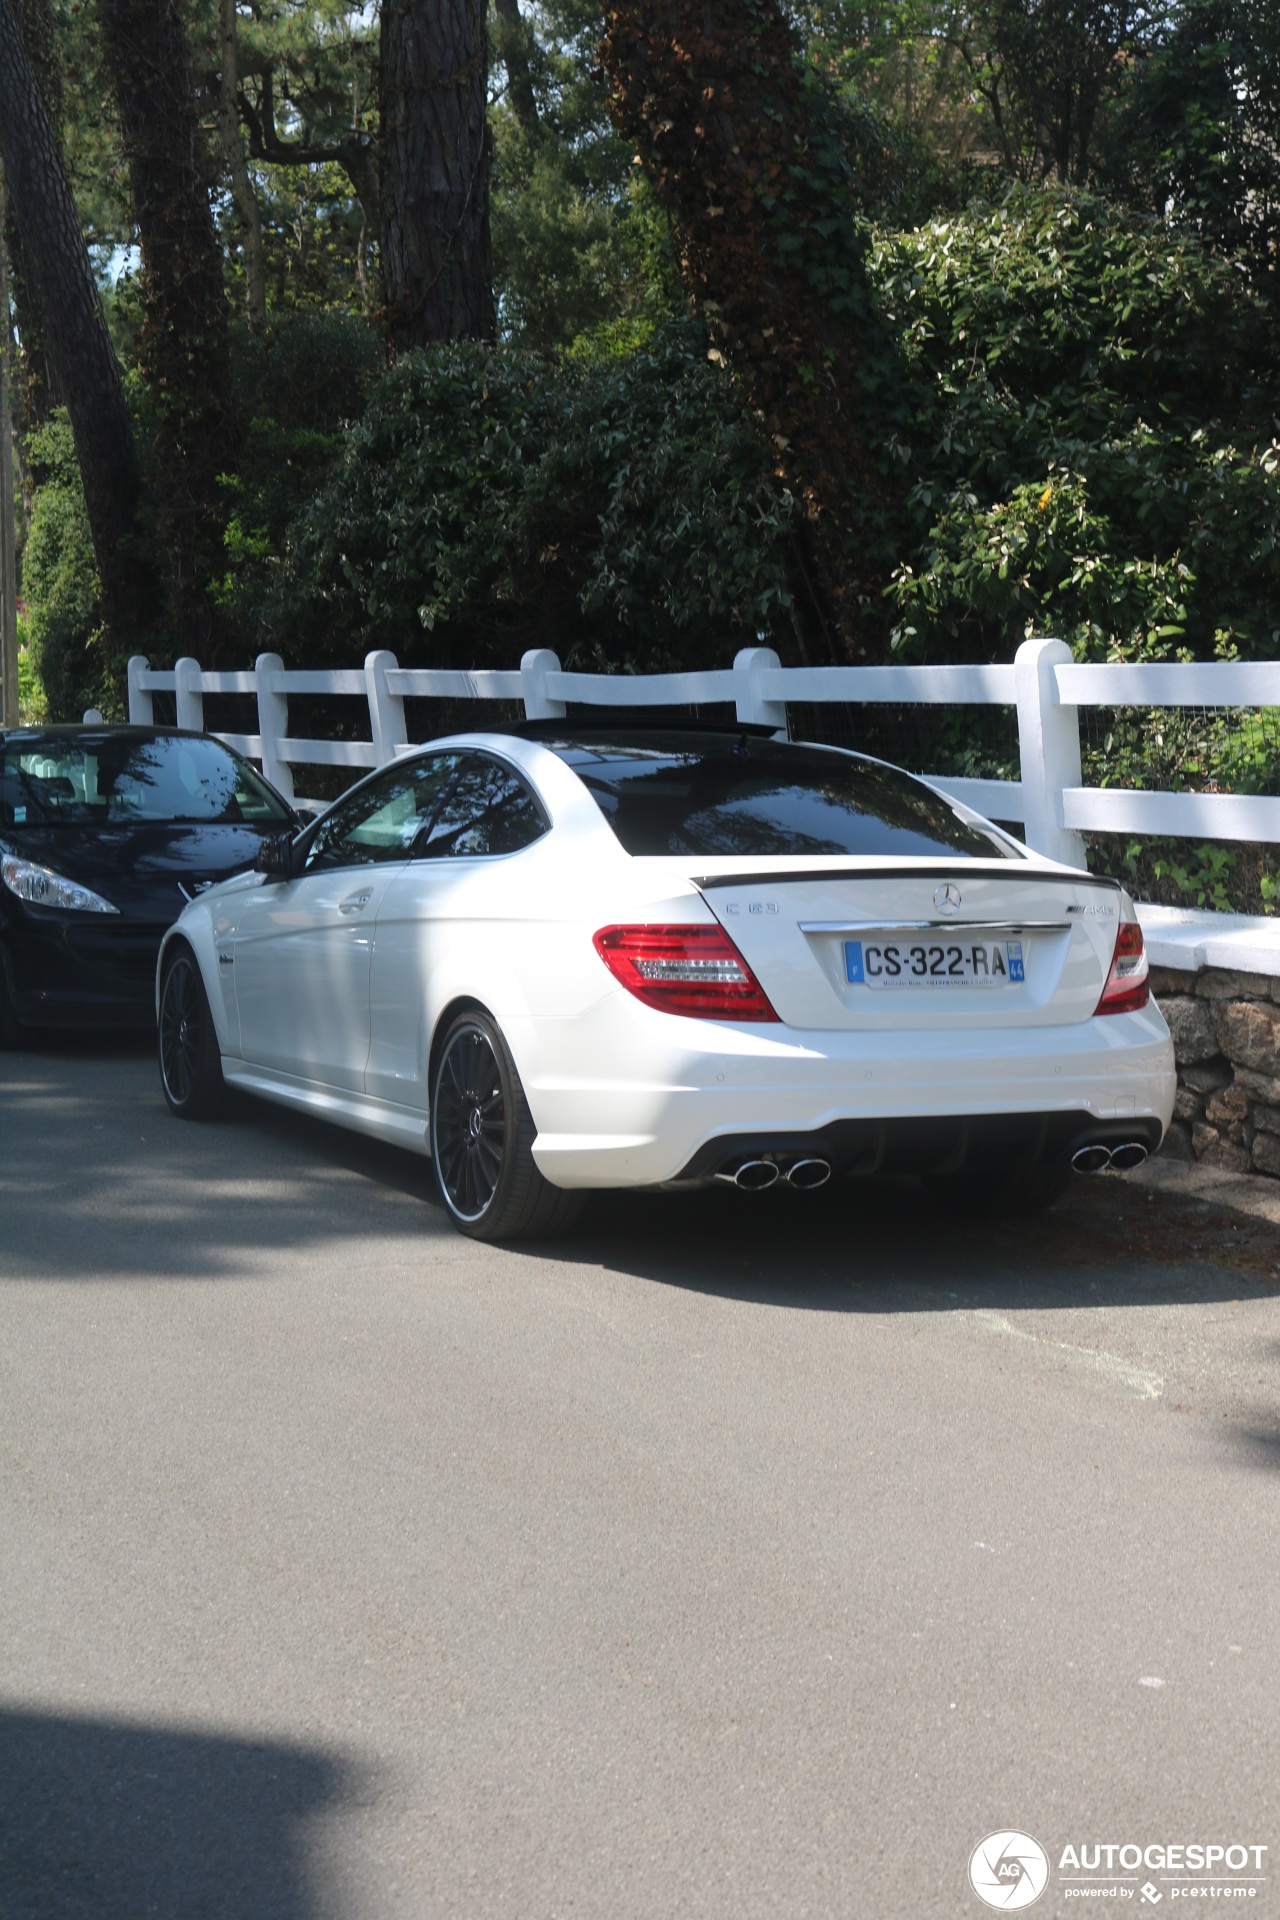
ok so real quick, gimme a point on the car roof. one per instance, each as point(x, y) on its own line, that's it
point(67, 733)
point(632, 723)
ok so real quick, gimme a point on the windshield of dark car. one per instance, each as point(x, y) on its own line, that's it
point(708, 794)
point(124, 780)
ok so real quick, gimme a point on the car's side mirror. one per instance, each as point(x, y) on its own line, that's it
point(275, 857)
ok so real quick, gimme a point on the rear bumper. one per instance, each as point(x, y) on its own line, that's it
point(879, 1101)
point(943, 1146)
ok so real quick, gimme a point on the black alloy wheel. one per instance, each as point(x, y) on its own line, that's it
point(482, 1136)
point(190, 1062)
point(470, 1121)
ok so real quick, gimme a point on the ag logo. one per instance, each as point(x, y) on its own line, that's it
point(1008, 1871)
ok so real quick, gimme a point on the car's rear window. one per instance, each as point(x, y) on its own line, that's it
point(120, 780)
point(707, 794)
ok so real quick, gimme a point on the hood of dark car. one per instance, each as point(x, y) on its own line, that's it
point(142, 869)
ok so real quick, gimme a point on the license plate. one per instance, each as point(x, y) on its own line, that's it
point(934, 963)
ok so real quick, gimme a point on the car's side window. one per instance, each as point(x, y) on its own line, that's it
point(381, 821)
point(487, 809)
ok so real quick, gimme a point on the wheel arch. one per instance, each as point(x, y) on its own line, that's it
point(459, 1004)
point(181, 934)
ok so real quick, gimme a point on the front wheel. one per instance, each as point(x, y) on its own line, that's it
point(482, 1136)
point(190, 1062)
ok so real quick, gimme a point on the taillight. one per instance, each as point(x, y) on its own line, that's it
point(692, 970)
point(1128, 987)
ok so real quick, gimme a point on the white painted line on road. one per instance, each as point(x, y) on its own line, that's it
point(1147, 1386)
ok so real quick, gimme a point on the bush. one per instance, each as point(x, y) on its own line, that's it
point(299, 387)
point(620, 510)
point(60, 585)
point(32, 709)
point(1092, 454)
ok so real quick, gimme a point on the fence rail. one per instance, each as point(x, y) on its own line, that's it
point(1045, 686)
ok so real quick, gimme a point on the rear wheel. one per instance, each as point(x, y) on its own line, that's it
point(190, 1063)
point(482, 1136)
point(1018, 1190)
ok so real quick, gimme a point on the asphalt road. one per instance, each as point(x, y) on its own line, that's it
point(750, 1557)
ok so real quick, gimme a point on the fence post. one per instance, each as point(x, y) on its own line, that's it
point(1049, 749)
point(386, 709)
point(534, 668)
point(273, 723)
point(141, 711)
point(188, 687)
point(751, 703)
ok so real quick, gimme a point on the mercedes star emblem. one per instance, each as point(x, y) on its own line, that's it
point(946, 898)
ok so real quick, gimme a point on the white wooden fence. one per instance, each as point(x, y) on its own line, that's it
point(1044, 684)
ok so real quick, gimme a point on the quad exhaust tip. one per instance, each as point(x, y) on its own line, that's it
point(755, 1176)
point(808, 1174)
point(1095, 1156)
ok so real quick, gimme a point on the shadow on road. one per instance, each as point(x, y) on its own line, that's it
point(99, 1180)
point(102, 1821)
point(887, 1247)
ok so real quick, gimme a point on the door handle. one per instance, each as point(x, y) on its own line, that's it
point(356, 903)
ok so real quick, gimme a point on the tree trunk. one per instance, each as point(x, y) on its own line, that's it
point(233, 153)
point(740, 141)
point(79, 347)
point(184, 348)
point(8, 543)
point(436, 256)
point(34, 389)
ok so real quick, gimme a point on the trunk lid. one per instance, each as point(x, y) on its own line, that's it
point(935, 946)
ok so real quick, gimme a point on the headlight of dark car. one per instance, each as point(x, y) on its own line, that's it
point(44, 888)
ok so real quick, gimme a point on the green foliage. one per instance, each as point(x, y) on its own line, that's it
point(1226, 879)
point(60, 586)
point(312, 225)
point(1203, 131)
point(582, 252)
point(575, 266)
point(322, 57)
point(903, 61)
point(89, 130)
point(1186, 749)
point(299, 388)
point(32, 707)
point(1091, 454)
point(308, 110)
point(618, 509)
point(1066, 408)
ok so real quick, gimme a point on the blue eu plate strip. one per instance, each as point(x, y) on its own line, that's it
point(853, 962)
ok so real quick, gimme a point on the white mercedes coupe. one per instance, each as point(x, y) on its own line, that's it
point(589, 954)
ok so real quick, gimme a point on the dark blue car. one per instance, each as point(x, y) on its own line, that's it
point(105, 834)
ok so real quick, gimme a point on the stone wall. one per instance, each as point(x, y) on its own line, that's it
point(1226, 1035)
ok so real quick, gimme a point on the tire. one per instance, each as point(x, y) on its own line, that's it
point(11, 1028)
point(190, 1063)
point(1023, 1190)
point(482, 1136)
